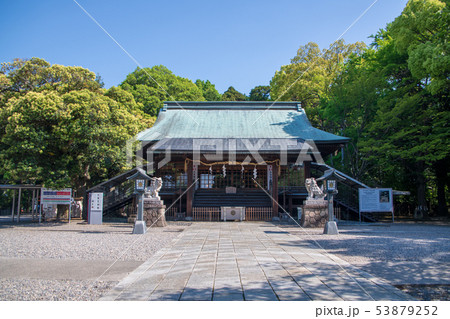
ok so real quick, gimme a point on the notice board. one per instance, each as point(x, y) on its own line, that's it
point(375, 200)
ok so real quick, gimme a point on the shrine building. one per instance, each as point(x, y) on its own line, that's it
point(249, 155)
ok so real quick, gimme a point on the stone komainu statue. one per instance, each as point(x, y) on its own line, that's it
point(314, 191)
point(155, 186)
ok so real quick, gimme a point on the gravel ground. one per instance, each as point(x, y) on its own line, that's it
point(427, 292)
point(383, 242)
point(412, 256)
point(75, 241)
point(82, 241)
point(52, 290)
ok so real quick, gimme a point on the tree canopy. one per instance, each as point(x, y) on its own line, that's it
point(308, 77)
point(59, 128)
point(392, 100)
point(152, 86)
point(209, 90)
point(260, 93)
point(231, 94)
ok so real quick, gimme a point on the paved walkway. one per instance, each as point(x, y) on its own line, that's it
point(248, 261)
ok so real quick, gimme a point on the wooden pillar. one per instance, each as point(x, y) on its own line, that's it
point(275, 169)
point(290, 205)
point(18, 204)
point(190, 192)
point(13, 203)
point(32, 204)
point(307, 169)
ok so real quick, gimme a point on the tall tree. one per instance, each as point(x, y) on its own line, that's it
point(209, 90)
point(260, 93)
point(63, 131)
point(411, 124)
point(392, 100)
point(152, 86)
point(309, 75)
point(422, 31)
point(233, 95)
point(349, 109)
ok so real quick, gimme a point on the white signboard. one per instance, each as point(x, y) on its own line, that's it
point(95, 208)
point(375, 200)
point(51, 196)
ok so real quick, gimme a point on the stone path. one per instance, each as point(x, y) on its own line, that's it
point(248, 261)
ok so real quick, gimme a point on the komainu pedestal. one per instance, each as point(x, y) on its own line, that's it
point(314, 213)
point(154, 212)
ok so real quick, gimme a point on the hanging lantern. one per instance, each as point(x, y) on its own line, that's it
point(210, 170)
point(224, 170)
point(255, 173)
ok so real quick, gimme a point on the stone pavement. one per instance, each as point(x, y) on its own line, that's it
point(248, 261)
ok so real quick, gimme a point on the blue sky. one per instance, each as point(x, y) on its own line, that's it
point(238, 43)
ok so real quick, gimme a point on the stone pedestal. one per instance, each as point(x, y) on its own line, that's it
point(331, 228)
point(154, 212)
point(314, 213)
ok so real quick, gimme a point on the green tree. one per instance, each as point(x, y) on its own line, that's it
point(411, 124)
point(350, 107)
point(260, 93)
point(310, 74)
point(233, 95)
point(152, 86)
point(209, 91)
point(38, 75)
point(392, 100)
point(69, 134)
point(422, 31)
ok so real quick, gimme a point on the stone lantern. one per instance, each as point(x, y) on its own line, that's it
point(140, 178)
point(330, 178)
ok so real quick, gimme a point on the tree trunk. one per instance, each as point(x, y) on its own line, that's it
point(421, 211)
point(81, 191)
point(440, 169)
point(62, 210)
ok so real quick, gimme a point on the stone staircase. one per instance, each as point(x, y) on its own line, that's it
point(242, 198)
point(347, 197)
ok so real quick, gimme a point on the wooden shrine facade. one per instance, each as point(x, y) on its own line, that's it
point(212, 155)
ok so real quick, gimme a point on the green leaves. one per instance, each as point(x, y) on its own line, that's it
point(260, 93)
point(309, 76)
point(233, 95)
point(59, 128)
point(392, 100)
point(209, 91)
point(152, 86)
point(422, 31)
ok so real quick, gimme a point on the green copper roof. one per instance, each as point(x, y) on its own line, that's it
point(235, 120)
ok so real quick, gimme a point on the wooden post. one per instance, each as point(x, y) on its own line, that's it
point(190, 192)
point(290, 205)
point(307, 169)
point(13, 203)
point(32, 204)
point(40, 205)
point(18, 204)
point(275, 169)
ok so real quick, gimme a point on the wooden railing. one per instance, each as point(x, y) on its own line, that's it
point(171, 213)
point(213, 213)
point(258, 213)
point(206, 214)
